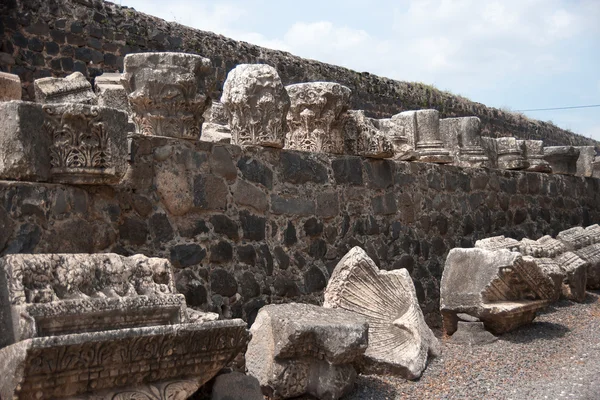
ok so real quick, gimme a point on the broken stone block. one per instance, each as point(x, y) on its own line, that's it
point(399, 338)
point(111, 93)
point(168, 92)
point(301, 349)
point(562, 159)
point(363, 136)
point(552, 270)
point(575, 270)
point(75, 88)
point(314, 118)
point(546, 246)
point(510, 154)
point(400, 130)
point(533, 150)
point(10, 87)
point(576, 237)
point(216, 126)
point(591, 255)
point(429, 145)
point(88, 143)
point(498, 243)
point(462, 136)
point(236, 385)
point(256, 104)
point(472, 333)
point(585, 160)
point(502, 288)
point(596, 167)
point(23, 150)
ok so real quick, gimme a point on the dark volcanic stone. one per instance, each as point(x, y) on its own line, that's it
point(221, 252)
point(210, 192)
point(188, 283)
point(317, 249)
point(380, 173)
point(266, 259)
point(253, 226)
point(249, 288)
point(313, 227)
point(186, 255)
point(27, 239)
point(292, 206)
point(225, 226)
point(283, 260)
point(384, 204)
point(133, 231)
point(160, 228)
point(247, 254)
point(348, 170)
point(285, 287)
point(298, 168)
point(223, 282)
point(255, 171)
point(289, 235)
point(314, 280)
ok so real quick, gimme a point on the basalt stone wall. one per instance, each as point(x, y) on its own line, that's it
point(56, 37)
point(246, 227)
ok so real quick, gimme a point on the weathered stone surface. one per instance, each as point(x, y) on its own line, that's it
point(533, 150)
point(498, 243)
point(591, 255)
point(314, 116)
point(399, 339)
point(509, 153)
point(575, 271)
point(363, 136)
point(23, 148)
point(111, 93)
point(168, 92)
point(585, 160)
point(401, 130)
point(545, 246)
point(10, 87)
point(236, 385)
point(429, 146)
point(462, 137)
point(472, 333)
point(88, 143)
point(502, 288)
point(75, 88)
point(562, 159)
point(216, 126)
point(576, 237)
point(247, 194)
point(596, 167)
point(301, 349)
point(256, 104)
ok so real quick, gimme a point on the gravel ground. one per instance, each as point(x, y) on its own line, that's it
point(555, 357)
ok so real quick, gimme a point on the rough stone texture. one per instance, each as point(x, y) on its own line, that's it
point(585, 160)
point(363, 136)
point(301, 349)
point(429, 145)
point(505, 153)
point(533, 151)
point(591, 255)
point(562, 159)
point(72, 89)
point(576, 237)
point(111, 93)
point(399, 339)
point(236, 385)
point(575, 271)
point(545, 246)
point(23, 148)
point(10, 87)
point(216, 126)
point(168, 92)
point(314, 117)
point(472, 333)
point(498, 243)
point(502, 288)
point(462, 136)
point(256, 104)
point(400, 129)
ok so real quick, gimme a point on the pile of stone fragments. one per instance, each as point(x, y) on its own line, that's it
point(105, 326)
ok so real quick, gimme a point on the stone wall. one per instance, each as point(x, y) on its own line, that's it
point(249, 226)
point(56, 37)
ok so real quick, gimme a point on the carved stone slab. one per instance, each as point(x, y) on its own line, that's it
point(400, 131)
point(498, 243)
point(502, 288)
point(168, 92)
point(399, 338)
point(176, 389)
point(301, 349)
point(510, 154)
point(88, 143)
point(533, 150)
point(75, 88)
point(576, 237)
point(363, 136)
point(23, 148)
point(591, 255)
point(462, 137)
point(575, 276)
point(314, 116)
point(257, 105)
point(562, 159)
point(429, 144)
point(122, 362)
point(10, 87)
point(545, 246)
point(111, 93)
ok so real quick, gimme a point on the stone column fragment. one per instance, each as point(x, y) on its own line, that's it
point(75, 88)
point(429, 145)
point(400, 130)
point(256, 104)
point(10, 87)
point(314, 117)
point(462, 136)
point(510, 154)
point(363, 136)
point(168, 92)
point(399, 338)
point(562, 159)
point(533, 150)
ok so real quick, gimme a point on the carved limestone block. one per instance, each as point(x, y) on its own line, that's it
point(585, 160)
point(591, 255)
point(429, 144)
point(507, 152)
point(575, 276)
point(462, 136)
point(546, 246)
point(400, 131)
point(257, 105)
point(577, 237)
point(301, 349)
point(593, 232)
point(88, 144)
point(216, 126)
point(562, 159)
point(166, 361)
point(533, 150)
point(314, 116)
point(168, 92)
point(23, 148)
point(111, 93)
point(10, 87)
point(551, 268)
point(363, 136)
point(502, 288)
point(498, 243)
point(75, 88)
point(399, 338)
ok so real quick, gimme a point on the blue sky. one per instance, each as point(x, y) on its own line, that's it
point(510, 54)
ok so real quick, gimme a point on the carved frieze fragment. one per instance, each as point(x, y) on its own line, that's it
point(74, 88)
point(10, 87)
point(533, 150)
point(257, 105)
point(168, 92)
point(575, 276)
point(562, 159)
point(498, 243)
point(399, 339)
point(462, 137)
point(591, 255)
point(314, 117)
point(577, 237)
point(429, 144)
point(400, 130)
point(363, 136)
point(88, 144)
point(507, 153)
point(546, 246)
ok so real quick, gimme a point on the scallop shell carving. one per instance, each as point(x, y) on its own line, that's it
point(399, 338)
